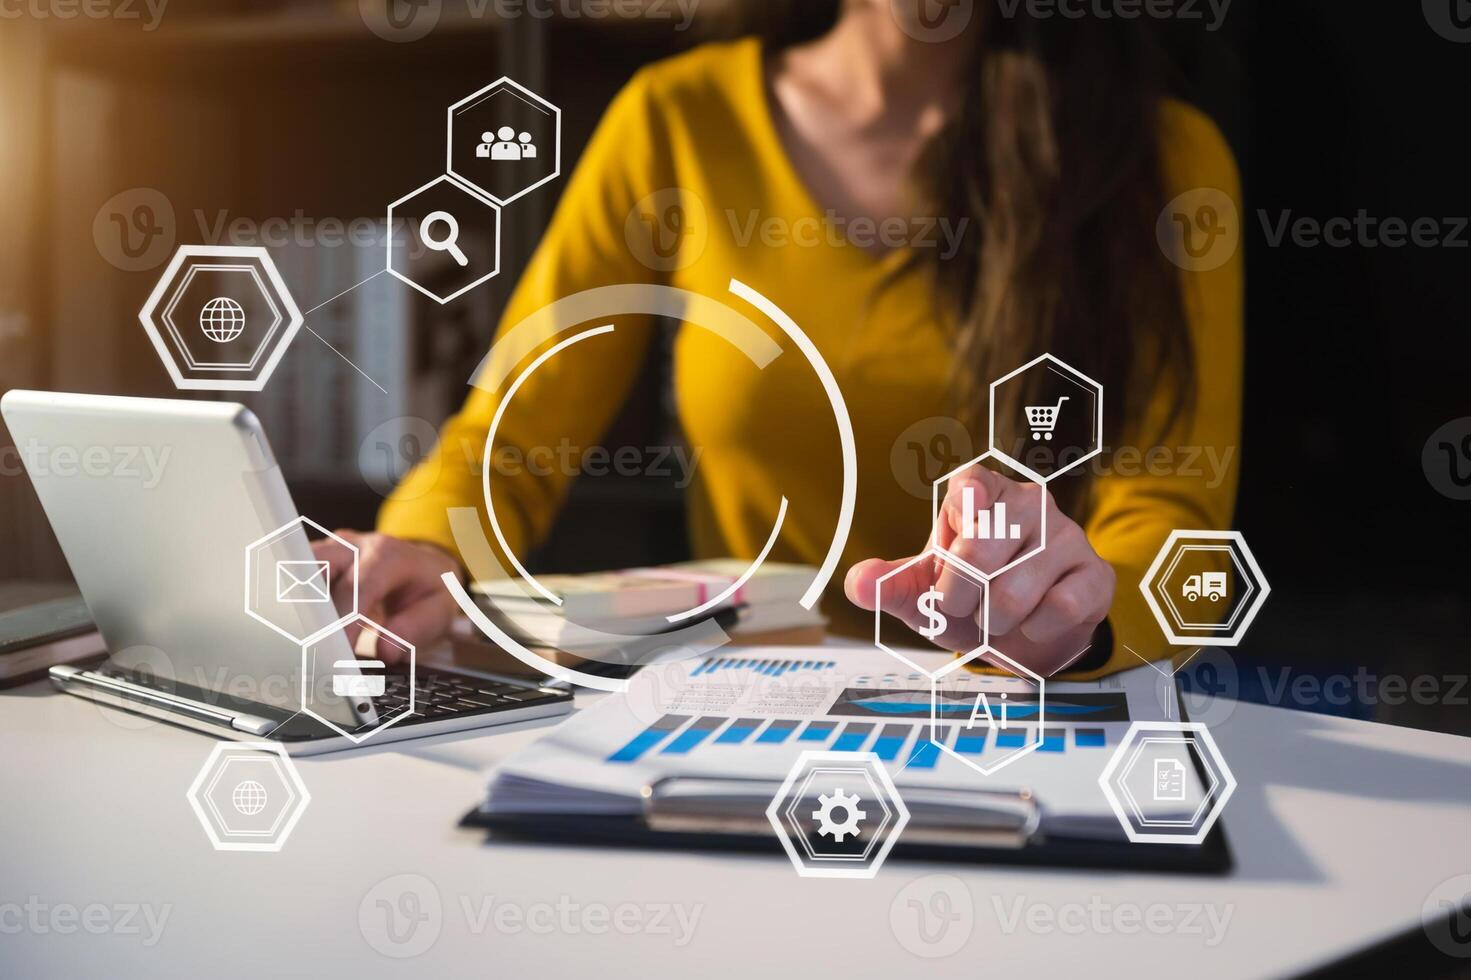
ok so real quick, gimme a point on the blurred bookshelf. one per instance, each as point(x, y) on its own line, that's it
point(239, 114)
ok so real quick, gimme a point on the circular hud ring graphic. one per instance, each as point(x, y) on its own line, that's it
point(695, 309)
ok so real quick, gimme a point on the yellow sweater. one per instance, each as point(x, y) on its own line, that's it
point(701, 122)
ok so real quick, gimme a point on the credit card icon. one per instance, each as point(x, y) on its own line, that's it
point(359, 678)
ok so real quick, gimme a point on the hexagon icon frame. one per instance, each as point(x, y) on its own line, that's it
point(253, 549)
point(214, 768)
point(896, 814)
point(1217, 794)
point(1241, 557)
point(307, 676)
point(1021, 672)
point(936, 496)
point(168, 289)
point(449, 140)
point(960, 568)
point(1081, 379)
point(481, 199)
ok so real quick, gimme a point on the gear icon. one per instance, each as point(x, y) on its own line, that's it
point(838, 829)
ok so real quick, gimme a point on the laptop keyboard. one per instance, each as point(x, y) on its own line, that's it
point(440, 695)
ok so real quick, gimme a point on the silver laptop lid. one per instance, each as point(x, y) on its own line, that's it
point(154, 503)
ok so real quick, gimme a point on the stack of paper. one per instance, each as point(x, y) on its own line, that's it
point(593, 608)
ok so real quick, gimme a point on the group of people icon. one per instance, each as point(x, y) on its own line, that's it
point(505, 144)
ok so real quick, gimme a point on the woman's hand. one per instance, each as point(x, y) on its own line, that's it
point(399, 587)
point(1043, 611)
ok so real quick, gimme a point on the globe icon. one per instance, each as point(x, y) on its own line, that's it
point(222, 319)
point(249, 797)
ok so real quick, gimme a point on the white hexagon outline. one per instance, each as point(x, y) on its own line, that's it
point(1218, 761)
point(265, 539)
point(1240, 605)
point(1022, 672)
point(1079, 375)
point(1128, 794)
point(219, 772)
point(449, 140)
point(960, 567)
point(289, 776)
point(178, 293)
point(481, 199)
point(165, 283)
point(878, 797)
point(1234, 637)
point(399, 715)
point(846, 760)
point(1032, 477)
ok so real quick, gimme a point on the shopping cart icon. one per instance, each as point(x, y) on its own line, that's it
point(1043, 418)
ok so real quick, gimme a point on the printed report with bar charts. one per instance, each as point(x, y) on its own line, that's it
point(748, 713)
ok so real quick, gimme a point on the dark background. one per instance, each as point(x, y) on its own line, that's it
point(1354, 355)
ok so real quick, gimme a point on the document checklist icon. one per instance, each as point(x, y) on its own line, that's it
point(1169, 780)
point(302, 581)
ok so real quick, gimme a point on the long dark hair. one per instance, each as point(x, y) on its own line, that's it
point(1054, 162)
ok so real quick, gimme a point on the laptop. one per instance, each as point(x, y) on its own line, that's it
point(161, 507)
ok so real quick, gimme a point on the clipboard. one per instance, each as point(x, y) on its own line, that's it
point(712, 812)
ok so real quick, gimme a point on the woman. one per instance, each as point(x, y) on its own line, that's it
point(1048, 144)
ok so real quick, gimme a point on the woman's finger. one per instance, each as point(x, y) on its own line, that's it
point(900, 592)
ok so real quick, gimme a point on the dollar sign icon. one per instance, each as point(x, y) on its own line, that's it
point(937, 621)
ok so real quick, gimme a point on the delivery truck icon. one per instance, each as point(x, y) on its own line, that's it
point(1212, 585)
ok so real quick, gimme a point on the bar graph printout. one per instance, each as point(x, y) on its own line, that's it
point(748, 714)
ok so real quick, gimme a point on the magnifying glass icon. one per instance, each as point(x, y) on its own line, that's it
point(450, 242)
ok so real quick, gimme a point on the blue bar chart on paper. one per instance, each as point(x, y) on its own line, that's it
point(708, 736)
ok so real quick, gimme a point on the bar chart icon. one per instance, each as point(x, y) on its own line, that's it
point(983, 525)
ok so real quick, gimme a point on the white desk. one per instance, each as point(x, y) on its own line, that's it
point(1340, 831)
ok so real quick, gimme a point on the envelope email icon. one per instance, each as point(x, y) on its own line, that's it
point(302, 581)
